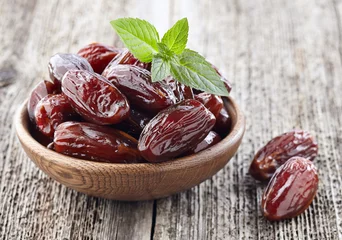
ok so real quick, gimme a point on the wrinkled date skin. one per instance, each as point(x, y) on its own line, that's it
point(291, 189)
point(175, 130)
point(280, 149)
point(125, 58)
point(213, 102)
point(136, 83)
point(94, 98)
point(98, 55)
point(94, 142)
point(51, 111)
point(180, 91)
point(41, 90)
point(134, 124)
point(210, 140)
point(60, 63)
point(223, 124)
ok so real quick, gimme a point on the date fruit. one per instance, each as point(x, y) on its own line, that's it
point(226, 82)
point(60, 63)
point(210, 140)
point(94, 98)
point(223, 123)
point(175, 130)
point(98, 143)
point(280, 149)
point(98, 55)
point(136, 83)
point(41, 90)
point(134, 124)
point(213, 102)
point(125, 58)
point(51, 111)
point(180, 91)
point(291, 189)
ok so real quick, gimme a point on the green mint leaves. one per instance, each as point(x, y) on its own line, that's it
point(169, 56)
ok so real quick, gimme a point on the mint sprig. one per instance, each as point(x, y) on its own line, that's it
point(169, 56)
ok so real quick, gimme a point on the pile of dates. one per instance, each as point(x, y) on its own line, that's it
point(101, 105)
point(286, 162)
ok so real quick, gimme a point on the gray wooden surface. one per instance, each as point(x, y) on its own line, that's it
point(285, 60)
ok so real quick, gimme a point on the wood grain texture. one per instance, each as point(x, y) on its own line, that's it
point(284, 58)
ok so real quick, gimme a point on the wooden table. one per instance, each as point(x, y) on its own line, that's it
point(285, 60)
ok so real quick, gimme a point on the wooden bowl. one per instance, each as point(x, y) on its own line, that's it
point(132, 182)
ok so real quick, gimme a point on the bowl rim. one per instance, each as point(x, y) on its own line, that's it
point(27, 139)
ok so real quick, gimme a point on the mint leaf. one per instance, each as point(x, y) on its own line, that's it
point(161, 63)
point(160, 68)
point(177, 36)
point(193, 70)
point(139, 36)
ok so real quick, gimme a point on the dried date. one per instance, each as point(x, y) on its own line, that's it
point(125, 57)
point(136, 84)
point(291, 189)
point(134, 124)
point(279, 150)
point(51, 111)
point(94, 98)
point(41, 90)
point(98, 55)
point(223, 123)
point(180, 91)
point(213, 102)
point(210, 140)
point(97, 143)
point(175, 130)
point(60, 63)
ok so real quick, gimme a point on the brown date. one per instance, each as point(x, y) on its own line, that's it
point(94, 98)
point(41, 90)
point(181, 91)
point(51, 111)
point(291, 189)
point(60, 63)
point(136, 84)
point(98, 55)
point(210, 140)
point(280, 149)
point(223, 123)
point(125, 57)
point(93, 142)
point(175, 130)
point(213, 102)
point(134, 124)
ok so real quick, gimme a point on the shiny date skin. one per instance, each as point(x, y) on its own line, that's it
point(60, 63)
point(98, 55)
point(41, 90)
point(213, 102)
point(51, 111)
point(125, 57)
point(97, 143)
point(94, 98)
point(134, 124)
point(223, 124)
point(210, 140)
point(136, 83)
point(291, 189)
point(280, 149)
point(175, 130)
point(180, 91)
